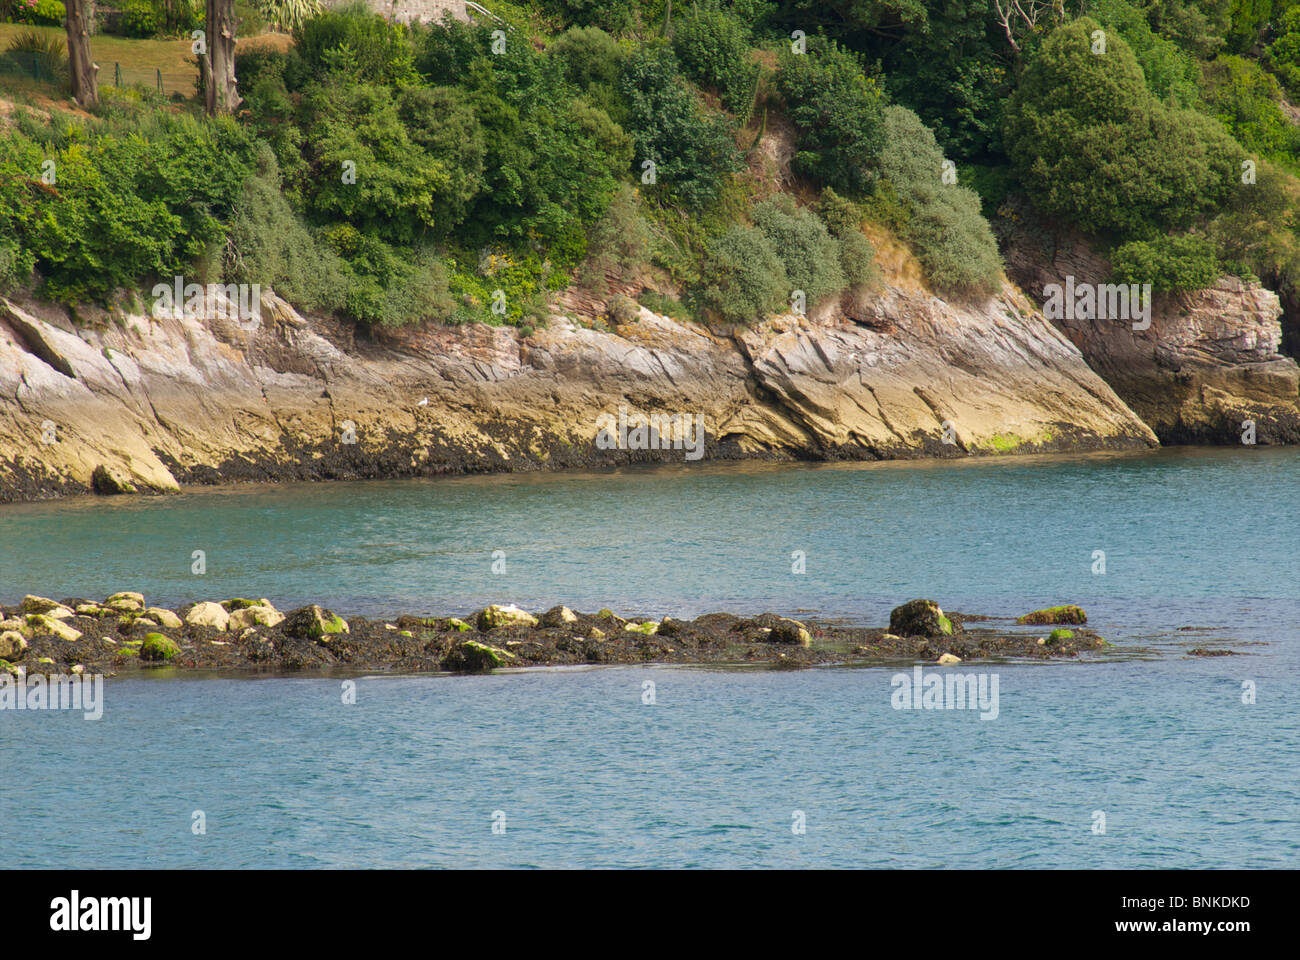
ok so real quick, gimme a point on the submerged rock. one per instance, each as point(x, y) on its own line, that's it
point(1049, 615)
point(920, 618)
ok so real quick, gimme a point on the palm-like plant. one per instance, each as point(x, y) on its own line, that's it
point(288, 14)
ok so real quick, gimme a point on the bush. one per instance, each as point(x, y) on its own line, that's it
point(267, 244)
point(1091, 144)
point(691, 146)
point(1167, 263)
point(1245, 99)
point(810, 256)
point(712, 46)
point(46, 56)
point(588, 56)
point(388, 286)
point(1283, 54)
point(45, 13)
point(357, 45)
point(843, 218)
point(943, 223)
point(140, 18)
point(836, 110)
point(619, 241)
point(744, 277)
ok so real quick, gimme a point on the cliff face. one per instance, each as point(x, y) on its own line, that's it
point(179, 400)
point(1208, 363)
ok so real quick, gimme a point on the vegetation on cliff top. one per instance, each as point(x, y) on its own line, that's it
point(465, 172)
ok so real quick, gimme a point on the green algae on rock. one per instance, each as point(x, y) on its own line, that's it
point(1068, 613)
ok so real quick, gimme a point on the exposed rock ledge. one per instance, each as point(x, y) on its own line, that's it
point(1208, 363)
point(159, 403)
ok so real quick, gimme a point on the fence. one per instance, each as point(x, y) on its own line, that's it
point(53, 70)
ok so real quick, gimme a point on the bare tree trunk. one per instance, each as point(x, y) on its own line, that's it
point(220, 94)
point(82, 70)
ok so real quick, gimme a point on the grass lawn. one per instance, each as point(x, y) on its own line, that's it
point(141, 59)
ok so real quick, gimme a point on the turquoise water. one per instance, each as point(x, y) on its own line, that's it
point(712, 773)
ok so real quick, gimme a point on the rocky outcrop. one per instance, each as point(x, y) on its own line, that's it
point(1206, 368)
point(155, 403)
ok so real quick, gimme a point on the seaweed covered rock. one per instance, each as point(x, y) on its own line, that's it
point(313, 622)
point(470, 656)
point(39, 623)
point(12, 645)
point(1052, 615)
point(920, 618)
point(255, 615)
point(157, 646)
point(785, 630)
point(559, 617)
point(44, 605)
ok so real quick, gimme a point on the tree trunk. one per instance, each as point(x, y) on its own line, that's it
point(81, 69)
point(221, 95)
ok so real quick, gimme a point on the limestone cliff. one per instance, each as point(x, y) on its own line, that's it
point(180, 400)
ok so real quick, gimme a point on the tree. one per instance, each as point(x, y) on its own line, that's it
point(220, 94)
point(82, 70)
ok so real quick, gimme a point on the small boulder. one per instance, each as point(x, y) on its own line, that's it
point(948, 659)
point(649, 628)
point(790, 631)
point(494, 616)
point(12, 645)
point(136, 598)
point(156, 647)
point(1051, 615)
point(313, 622)
point(459, 625)
point(470, 656)
point(559, 617)
point(33, 604)
point(208, 614)
point(257, 615)
point(40, 623)
point(920, 618)
point(164, 618)
point(89, 610)
point(1060, 633)
point(109, 481)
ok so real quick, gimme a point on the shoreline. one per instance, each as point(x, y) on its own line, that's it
point(123, 635)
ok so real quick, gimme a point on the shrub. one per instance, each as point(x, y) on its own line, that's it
point(358, 45)
point(810, 256)
point(588, 55)
point(1092, 145)
point(712, 46)
point(843, 219)
point(45, 13)
point(1246, 100)
point(618, 241)
point(46, 55)
point(387, 286)
point(743, 277)
point(140, 18)
point(943, 223)
point(1283, 54)
point(691, 146)
point(1167, 263)
point(836, 110)
point(267, 244)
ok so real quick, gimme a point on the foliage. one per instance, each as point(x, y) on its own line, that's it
point(837, 112)
point(1092, 145)
point(943, 223)
point(1246, 100)
point(744, 277)
point(617, 242)
point(140, 18)
point(691, 146)
point(810, 255)
point(712, 46)
point(356, 45)
point(1168, 263)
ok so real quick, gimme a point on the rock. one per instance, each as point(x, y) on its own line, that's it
point(33, 604)
point(89, 610)
point(40, 623)
point(668, 627)
point(920, 618)
point(790, 631)
point(1060, 633)
point(1049, 615)
point(157, 646)
point(496, 616)
point(242, 603)
point(110, 481)
point(12, 645)
point(78, 669)
point(460, 626)
point(558, 617)
point(9, 668)
point(649, 628)
point(20, 625)
point(597, 633)
point(138, 598)
point(164, 618)
point(948, 659)
point(258, 615)
point(208, 614)
point(470, 656)
point(313, 622)
point(144, 622)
